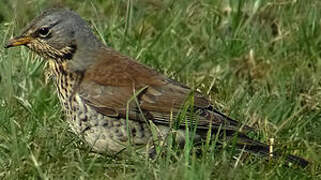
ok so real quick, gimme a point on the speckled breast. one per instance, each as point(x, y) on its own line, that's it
point(101, 132)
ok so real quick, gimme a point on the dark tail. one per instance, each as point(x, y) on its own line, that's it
point(262, 149)
point(232, 128)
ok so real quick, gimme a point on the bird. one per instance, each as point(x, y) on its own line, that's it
point(112, 101)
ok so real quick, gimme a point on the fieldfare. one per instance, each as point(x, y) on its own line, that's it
point(110, 99)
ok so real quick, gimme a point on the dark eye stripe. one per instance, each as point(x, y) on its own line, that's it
point(44, 32)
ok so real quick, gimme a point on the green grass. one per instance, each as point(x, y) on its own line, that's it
point(259, 61)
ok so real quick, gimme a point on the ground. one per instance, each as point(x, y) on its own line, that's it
point(258, 61)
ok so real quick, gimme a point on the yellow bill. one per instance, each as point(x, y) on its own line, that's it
point(17, 41)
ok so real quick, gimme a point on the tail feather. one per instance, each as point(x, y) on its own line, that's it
point(264, 150)
point(231, 121)
point(245, 142)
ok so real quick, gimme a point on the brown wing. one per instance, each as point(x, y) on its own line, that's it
point(116, 85)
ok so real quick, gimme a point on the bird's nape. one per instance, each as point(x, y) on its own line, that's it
point(95, 84)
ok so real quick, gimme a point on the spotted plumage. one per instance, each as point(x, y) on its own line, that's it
point(112, 101)
point(101, 132)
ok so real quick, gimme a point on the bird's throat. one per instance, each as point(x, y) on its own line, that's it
point(66, 81)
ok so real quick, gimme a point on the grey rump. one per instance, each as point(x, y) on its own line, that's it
point(95, 83)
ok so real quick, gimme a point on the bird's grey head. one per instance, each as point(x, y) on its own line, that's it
point(56, 34)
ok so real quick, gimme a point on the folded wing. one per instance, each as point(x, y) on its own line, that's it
point(116, 85)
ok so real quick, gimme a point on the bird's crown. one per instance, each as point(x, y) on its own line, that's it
point(56, 34)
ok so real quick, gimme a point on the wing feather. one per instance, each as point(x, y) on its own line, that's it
point(110, 84)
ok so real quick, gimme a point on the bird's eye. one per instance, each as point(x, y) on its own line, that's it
point(43, 32)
